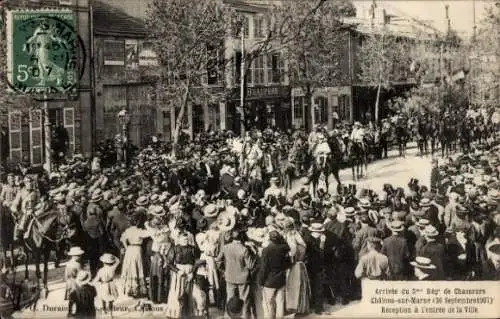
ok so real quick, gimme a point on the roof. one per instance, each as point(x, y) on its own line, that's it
point(400, 28)
point(248, 5)
point(112, 21)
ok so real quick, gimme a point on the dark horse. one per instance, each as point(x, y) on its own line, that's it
point(48, 230)
point(7, 234)
point(357, 158)
point(402, 137)
point(326, 165)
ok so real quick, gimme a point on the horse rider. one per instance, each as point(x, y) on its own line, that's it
point(312, 139)
point(9, 192)
point(22, 206)
point(358, 134)
point(254, 155)
point(321, 150)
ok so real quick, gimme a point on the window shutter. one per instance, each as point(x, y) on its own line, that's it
point(36, 138)
point(15, 135)
point(69, 125)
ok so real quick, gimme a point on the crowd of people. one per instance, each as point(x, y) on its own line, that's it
point(211, 228)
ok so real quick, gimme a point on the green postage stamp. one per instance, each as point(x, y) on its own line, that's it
point(42, 51)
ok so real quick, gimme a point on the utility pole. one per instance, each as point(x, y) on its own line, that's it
point(47, 136)
point(242, 82)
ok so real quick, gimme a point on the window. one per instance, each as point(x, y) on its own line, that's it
point(114, 52)
point(344, 107)
point(259, 27)
point(237, 68)
point(259, 70)
point(36, 137)
point(246, 26)
point(275, 68)
point(215, 65)
point(321, 109)
point(214, 117)
point(15, 136)
point(65, 2)
point(298, 111)
point(69, 125)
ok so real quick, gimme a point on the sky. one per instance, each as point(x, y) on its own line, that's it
point(460, 11)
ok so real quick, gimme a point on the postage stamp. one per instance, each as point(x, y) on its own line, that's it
point(44, 51)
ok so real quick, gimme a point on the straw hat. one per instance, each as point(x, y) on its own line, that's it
point(226, 221)
point(82, 278)
point(75, 251)
point(425, 202)
point(423, 222)
point(59, 197)
point(108, 258)
point(397, 226)
point(430, 231)
point(422, 263)
point(157, 211)
point(349, 211)
point(210, 210)
point(96, 196)
point(317, 227)
point(142, 201)
point(364, 203)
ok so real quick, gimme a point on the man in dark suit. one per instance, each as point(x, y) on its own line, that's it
point(366, 231)
point(396, 249)
point(434, 250)
point(227, 182)
point(272, 275)
point(238, 263)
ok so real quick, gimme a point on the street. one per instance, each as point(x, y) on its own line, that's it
point(394, 170)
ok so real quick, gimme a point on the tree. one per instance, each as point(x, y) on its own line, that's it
point(188, 37)
point(315, 47)
point(382, 57)
point(485, 52)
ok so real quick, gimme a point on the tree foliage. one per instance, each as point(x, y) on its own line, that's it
point(316, 46)
point(188, 37)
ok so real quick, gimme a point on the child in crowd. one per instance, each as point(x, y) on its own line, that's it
point(73, 266)
point(104, 281)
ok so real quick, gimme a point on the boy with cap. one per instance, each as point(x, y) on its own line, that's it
point(373, 265)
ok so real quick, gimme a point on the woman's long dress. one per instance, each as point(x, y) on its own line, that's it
point(132, 275)
point(180, 299)
point(298, 289)
point(158, 271)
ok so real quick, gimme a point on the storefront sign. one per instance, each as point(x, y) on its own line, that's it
point(147, 57)
point(263, 92)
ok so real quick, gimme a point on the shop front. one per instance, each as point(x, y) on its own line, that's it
point(265, 107)
point(328, 105)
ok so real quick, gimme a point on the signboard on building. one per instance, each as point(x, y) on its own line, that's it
point(263, 92)
point(131, 54)
point(43, 51)
point(147, 57)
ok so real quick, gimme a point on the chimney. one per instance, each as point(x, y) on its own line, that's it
point(448, 22)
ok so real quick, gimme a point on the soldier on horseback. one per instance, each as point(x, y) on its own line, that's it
point(23, 205)
point(358, 134)
point(7, 196)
